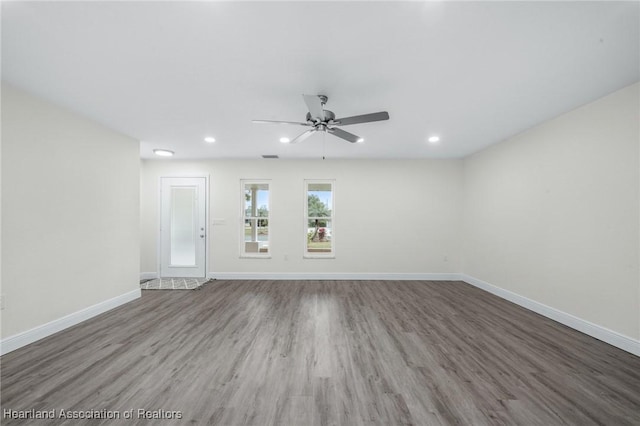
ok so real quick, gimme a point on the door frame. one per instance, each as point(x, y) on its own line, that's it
point(159, 219)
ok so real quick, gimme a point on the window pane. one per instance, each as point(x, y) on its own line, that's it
point(183, 227)
point(255, 238)
point(256, 196)
point(319, 236)
point(319, 202)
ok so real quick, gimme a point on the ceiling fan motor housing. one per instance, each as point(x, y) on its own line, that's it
point(328, 116)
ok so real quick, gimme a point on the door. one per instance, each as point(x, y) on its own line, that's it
point(183, 227)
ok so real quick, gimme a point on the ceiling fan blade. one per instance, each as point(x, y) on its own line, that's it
point(314, 103)
point(279, 122)
point(344, 135)
point(303, 136)
point(366, 118)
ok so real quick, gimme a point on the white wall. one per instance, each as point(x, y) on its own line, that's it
point(553, 214)
point(70, 213)
point(390, 216)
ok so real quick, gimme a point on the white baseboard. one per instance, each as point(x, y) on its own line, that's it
point(616, 339)
point(17, 341)
point(331, 276)
point(601, 333)
point(148, 275)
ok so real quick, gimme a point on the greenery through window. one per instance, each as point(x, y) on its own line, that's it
point(319, 219)
point(255, 212)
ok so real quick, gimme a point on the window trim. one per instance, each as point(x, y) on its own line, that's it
point(243, 253)
point(332, 219)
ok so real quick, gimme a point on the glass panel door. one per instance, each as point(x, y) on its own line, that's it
point(183, 227)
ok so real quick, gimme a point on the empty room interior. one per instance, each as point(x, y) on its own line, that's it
point(320, 213)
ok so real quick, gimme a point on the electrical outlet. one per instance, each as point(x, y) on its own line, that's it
point(1, 302)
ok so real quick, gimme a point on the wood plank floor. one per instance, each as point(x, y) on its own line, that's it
point(326, 353)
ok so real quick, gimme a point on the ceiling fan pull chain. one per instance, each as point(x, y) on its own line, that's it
point(324, 144)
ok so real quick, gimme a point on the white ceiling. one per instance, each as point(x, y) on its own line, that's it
point(171, 73)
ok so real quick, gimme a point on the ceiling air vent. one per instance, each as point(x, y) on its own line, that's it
point(269, 156)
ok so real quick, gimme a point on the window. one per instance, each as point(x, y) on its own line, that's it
point(319, 229)
point(255, 219)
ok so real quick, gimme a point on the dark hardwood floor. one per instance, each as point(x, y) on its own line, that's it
point(326, 353)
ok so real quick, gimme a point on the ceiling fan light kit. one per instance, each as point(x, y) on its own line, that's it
point(323, 120)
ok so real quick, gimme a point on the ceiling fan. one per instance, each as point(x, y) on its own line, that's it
point(323, 120)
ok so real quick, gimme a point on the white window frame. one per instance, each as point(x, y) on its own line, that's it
point(243, 253)
point(332, 219)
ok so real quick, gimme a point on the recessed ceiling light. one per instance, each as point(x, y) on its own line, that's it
point(285, 140)
point(163, 152)
point(360, 140)
point(434, 139)
point(209, 139)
